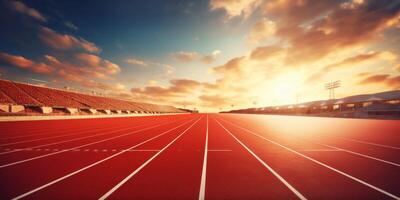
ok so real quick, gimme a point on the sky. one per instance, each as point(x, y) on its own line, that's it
point(208, 54)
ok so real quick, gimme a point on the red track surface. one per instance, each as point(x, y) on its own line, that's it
point(200, 156)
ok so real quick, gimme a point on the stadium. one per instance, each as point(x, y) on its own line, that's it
point(207, 100)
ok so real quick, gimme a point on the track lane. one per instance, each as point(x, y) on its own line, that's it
point(27, 156)
point(316, 179)
point(174, 172)
point(86, 182)
point(75, 137)
point(69, 128)
point(45, 170)
point(236, 174)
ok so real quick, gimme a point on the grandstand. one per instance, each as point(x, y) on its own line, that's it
point(378, 105)
point(25, 99)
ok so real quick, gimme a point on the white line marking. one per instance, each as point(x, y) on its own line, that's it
point(202, 192)
point(94, 164)
point(360, 154)
point(51, 137)
point(370, 143)
point(151, 150)
point(107, 194)
point(297, 193)
point(77, 147)
point(219, 150)
point(80, 138)
point(320, 163)
point(321, 150)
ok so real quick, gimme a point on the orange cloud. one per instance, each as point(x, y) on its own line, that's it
point(179, 87)
point(337, 29)
point(22, 8)
point(347, 62)
point(184, 56)
point(390, 81)
point(262, 53)
point(22, 62)
point(135, 61)
point(207, 59)
point(234, 8)
point(262, 30)
point(82, 69)
point(98, 64)
point(65, 41)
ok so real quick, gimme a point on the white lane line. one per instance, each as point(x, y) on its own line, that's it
point(320, 150)
point(370, 143)
point(219, 150)
point(202, 192)
point(287, 184)
point(151, 150)
point(360, 154)
point(71, 140)
point(320, 163)
point(78, 147)
point(114, 130)
point(57, 136)
point(96, 163)
point(112, 190)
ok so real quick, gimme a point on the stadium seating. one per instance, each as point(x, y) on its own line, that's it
point(17, 95)
point(26, 95)
point(4, 99)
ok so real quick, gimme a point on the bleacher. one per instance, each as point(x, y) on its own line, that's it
point(378, 105)
point(20, 98)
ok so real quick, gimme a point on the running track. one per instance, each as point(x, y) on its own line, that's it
point(201, 156)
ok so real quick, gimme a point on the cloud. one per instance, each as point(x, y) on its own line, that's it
point(336, 29)
point(71, 25)
point(178, 87)
point(98, 64)
point(262, 30)
point(265, 52)
point(232, 66)
point(82, 68)
point(235, 8)
point(135, 61)
point(351, 62)
point(387, 79)
point(24, 63)
point(65, 41)
point(207, 59)
point(190, 56)
point(22, 8)
point(185, 56)
point(213, 101)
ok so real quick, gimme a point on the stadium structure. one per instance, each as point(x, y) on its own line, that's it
point(25, 99)
point(378, 105)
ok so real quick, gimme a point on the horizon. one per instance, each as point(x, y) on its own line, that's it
point(204, 54)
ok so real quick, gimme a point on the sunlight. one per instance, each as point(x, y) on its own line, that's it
point(286, 87)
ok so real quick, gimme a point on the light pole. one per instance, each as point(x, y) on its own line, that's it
point(331, 87)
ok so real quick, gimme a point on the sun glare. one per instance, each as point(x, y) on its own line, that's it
point(285, 88)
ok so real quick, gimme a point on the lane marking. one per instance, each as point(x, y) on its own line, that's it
point(74, 139)
point(359, 154)
point(296, 192)
point(370, 143)
point(96, 163)
point(116, 187)
point(321, 150)
point(219, 150)
point(318, 162)
point(202, 192)
point(57, 136)
point(88, 144)
point(151, 150)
